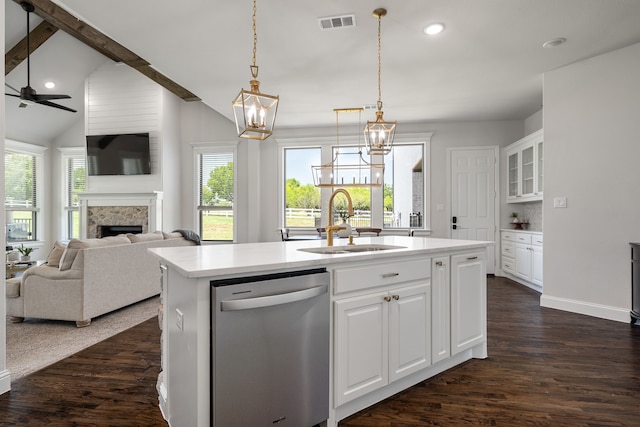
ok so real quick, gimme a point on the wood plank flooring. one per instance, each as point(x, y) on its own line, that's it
point(545, 368)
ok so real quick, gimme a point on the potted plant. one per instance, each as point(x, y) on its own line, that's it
point(25, 253)
point(344, 216)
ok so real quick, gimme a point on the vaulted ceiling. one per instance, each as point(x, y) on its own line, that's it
point(488, 64)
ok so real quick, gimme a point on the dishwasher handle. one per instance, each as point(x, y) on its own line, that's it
point(270, 300)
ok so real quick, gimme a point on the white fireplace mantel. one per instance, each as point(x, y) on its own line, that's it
point(153, 201)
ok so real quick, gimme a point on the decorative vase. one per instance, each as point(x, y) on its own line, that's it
point(25, 258)
point(346, 232)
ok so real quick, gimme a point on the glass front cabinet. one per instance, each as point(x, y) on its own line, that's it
point(524, 169)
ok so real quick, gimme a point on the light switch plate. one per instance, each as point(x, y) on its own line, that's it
point(559, 202)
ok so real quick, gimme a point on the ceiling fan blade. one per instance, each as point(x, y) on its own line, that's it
point(51, 104)
point(12, 94)
point(48, 97)
point(12, 88)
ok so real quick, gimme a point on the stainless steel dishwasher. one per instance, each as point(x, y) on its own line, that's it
point(270, 350)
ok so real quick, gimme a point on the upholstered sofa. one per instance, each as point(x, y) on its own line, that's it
point(90, 277)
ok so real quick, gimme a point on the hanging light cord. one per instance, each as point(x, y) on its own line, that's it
point(379, 63)
point(254, 67)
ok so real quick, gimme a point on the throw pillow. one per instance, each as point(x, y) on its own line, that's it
point(145, 237)
point(174, 235)
point(53, 259)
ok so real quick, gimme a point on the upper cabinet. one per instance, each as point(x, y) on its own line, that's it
point(524, 169)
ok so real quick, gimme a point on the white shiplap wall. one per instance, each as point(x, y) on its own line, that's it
point(121, 100)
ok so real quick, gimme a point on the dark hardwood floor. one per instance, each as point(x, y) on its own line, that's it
point(545, 368)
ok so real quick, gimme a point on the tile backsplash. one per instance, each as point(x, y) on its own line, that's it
point(533, 213)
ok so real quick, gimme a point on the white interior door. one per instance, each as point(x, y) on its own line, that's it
point(473, 197)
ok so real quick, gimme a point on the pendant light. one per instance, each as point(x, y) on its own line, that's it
point(255, 112)
point(378, 135)
point(340, 173)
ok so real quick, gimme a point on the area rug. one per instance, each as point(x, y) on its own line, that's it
point(37, 343)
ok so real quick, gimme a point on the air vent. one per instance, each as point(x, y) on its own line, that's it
point(343, 21)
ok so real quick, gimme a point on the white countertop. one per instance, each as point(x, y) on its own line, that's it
point(522, 231)
point(232, 259)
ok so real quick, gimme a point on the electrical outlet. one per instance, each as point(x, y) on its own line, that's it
point(179, 319)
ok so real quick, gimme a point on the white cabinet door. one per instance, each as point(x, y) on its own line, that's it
point(409, 330)
point(536, 267)
point(523, 261)
point(440, 310)
point(361, 346)
point(468, 301)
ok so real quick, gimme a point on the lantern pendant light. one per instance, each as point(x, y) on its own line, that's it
point(378, 135)
point(255, 112)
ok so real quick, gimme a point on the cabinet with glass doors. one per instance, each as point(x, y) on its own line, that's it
point(524, 169)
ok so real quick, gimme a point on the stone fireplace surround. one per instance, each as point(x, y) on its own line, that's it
point(140, 209)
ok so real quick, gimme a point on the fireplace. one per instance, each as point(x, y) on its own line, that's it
point(119, 209)
point(114, 230)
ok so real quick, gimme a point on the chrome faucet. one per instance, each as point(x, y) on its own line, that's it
point(331, 228)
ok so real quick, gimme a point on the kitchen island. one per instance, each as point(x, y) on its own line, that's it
point(402, 309)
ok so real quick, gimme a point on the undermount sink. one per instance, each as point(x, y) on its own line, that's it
point(330, 250)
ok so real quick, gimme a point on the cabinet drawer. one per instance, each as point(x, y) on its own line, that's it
point(508, 264)
point(536, 240)
point(370, 276)
point(507, 248)
point(523, 238)
point(507, 235)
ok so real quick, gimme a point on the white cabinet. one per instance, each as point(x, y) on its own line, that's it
point(440, 309)
point(468, 288)
point(525, 169)
point(381, 336)
point(522, 257)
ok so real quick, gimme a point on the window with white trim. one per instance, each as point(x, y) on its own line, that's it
point(400, 203)
point(75, 182)
point(216, 194)
point(23, 169)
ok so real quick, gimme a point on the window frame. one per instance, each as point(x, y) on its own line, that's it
point(327, 144)
point(37, 151)
point(69, 153)
point(211, 148)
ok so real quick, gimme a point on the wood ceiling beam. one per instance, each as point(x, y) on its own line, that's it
point(18, 53)
point(93, 38)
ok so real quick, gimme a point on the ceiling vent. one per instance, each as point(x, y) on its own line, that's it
point(343, 21)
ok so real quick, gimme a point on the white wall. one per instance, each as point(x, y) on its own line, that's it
point(5, 381)
point(592, 153)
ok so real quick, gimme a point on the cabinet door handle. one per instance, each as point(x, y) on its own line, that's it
point(388, 275)
point(387, 298)
point(438, 263)
point(472, 257)
point(396, 297)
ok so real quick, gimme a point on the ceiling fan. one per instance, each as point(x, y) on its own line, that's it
point(27, 94)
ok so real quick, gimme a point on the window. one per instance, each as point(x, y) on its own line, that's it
point(400, 203)
point(403, 196)
point(302, 198)
point(75, 181)
point(216, 195)
point(23, 168)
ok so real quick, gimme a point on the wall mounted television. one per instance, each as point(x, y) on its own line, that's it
point(118, 154)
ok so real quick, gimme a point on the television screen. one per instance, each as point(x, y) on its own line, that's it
point(122, 154)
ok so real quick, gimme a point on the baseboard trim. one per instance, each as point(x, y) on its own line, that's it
point(590, 309)
point(5, 381)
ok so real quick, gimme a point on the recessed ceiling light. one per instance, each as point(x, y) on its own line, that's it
point(432, 29)
point(554, 42)
point(49, 85)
